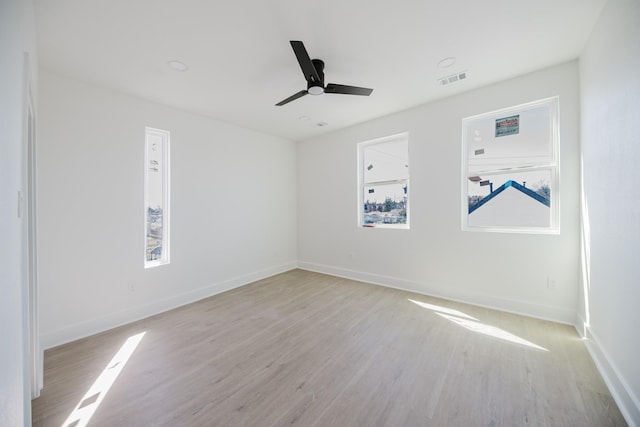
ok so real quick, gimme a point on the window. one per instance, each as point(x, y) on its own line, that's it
point(156, 197)
point(384, 182)
point(510, 168)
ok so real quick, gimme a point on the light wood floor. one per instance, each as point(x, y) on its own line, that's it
point(308, 349)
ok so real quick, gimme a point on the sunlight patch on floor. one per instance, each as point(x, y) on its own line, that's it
point(441, 309)
point(491, 331)
point(87, 406)
point(472, 324)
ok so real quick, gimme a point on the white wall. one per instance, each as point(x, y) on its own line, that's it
point(17, 36)
point(233, 210)
point(610, 112)
point(506, 271)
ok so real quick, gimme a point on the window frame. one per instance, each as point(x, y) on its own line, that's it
point(165, 205)
point(553, 165)
point(362, 183)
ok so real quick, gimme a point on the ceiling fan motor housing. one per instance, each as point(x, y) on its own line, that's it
point(314, 87)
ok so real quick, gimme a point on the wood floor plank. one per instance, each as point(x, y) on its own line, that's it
point(307, 349)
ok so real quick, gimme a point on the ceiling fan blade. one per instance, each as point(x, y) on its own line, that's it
point(292, 98)
point(347, 90)
point(309, 71)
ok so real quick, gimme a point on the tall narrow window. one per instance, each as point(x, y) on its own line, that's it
point(156, 197)
point(384, 182)
point(510, 168)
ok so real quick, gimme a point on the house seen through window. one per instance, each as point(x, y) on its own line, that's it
point(384, 182)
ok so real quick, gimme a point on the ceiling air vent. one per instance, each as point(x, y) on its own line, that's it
point(452, 78)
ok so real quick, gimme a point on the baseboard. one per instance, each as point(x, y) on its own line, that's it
point(123, 317)
point(628, 404)
point(525, 308)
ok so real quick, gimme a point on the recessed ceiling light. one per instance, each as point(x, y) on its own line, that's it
point(447, 62)
point(321, 124)
point(303, 118)
point(178, 65)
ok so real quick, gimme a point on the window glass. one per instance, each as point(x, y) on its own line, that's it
point(386, 161)
point(384, 182)
point(156, 195)
point(385, 204)
point(510, 180)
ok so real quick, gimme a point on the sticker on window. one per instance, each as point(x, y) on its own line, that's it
point(508, 126)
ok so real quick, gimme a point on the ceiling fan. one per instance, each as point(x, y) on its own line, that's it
point(314, 74)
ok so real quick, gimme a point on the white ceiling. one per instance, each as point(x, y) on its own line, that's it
point(241, 64)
